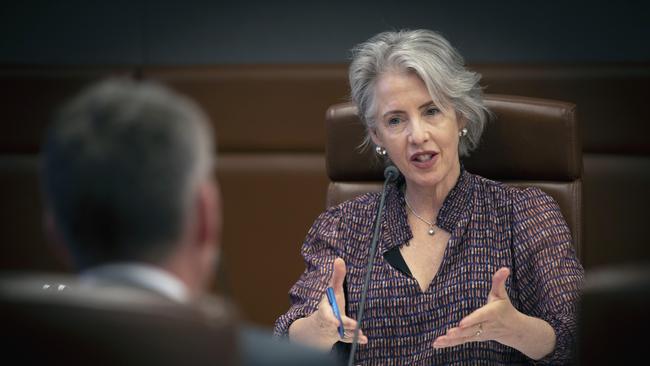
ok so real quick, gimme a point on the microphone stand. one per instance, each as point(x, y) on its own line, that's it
point(390, 174)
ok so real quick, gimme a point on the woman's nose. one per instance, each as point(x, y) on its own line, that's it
point(418, 133)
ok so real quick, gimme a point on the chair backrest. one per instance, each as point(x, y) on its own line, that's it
point(529, 142)
point(613, 318)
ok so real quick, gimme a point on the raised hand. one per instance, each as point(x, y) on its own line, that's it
point(497, 320)
point(321, 327)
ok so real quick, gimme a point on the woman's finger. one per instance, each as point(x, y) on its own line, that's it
point(448, 341)
point(327, 313)
point(456, 336)
point(349, 326)
point(348, 336)
point(483, 314)
point(338, 276)
point(498, 290)
point(478, 332)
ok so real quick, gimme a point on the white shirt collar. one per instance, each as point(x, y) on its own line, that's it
point(139, 275)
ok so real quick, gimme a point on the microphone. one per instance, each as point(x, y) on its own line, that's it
point(390, 175)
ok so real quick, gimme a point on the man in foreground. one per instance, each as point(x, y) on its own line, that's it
point(130, 194)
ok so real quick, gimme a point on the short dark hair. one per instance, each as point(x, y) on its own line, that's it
point(120, 162)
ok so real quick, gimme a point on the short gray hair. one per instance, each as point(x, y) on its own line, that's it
point(435, 61)
point(120, 164)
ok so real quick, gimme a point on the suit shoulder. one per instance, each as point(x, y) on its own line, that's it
point(259, 348)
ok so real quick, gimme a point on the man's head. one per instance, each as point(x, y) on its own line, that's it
point(127, 175)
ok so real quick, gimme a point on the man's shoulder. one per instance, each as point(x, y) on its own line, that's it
point(259, 348)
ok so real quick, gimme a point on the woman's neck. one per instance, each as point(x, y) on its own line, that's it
point(427, 200)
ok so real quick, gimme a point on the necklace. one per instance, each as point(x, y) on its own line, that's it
point(431, 231)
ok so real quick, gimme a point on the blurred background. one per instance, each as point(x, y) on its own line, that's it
point(266, 71)
point(253, 31)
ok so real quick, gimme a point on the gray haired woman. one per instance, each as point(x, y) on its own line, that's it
point(469, 271)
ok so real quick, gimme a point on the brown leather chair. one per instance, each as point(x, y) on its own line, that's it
point(613, 319)
point(529, 142)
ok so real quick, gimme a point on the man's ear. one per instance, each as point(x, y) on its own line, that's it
point(55, 240)
point(208, 215)
point(206, 246)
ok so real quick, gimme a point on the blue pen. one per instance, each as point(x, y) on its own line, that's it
point(332, 300)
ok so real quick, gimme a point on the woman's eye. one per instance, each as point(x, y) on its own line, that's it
point(394, 121)
point(432, 111)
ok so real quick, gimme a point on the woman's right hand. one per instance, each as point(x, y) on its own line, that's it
point(320, 329)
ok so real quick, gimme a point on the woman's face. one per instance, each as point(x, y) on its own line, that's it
point(419, 138)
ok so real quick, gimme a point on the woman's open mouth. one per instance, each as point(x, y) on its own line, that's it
point(424, 159)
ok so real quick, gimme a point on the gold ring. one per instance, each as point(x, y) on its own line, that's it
point(480, 330)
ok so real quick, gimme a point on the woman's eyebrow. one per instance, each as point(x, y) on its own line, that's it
point(427, 104)
point(392, 111)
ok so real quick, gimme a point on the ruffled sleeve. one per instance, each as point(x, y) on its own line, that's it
point(319, 250)
point(547, 270)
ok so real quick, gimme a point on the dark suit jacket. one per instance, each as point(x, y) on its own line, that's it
point(259, 348)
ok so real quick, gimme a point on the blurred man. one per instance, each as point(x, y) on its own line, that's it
point(131, 197)
point(129, 189)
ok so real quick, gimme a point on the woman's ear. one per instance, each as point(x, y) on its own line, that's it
point(374, 137)
point(462, 121)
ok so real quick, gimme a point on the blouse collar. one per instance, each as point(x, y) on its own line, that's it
point(396, 230)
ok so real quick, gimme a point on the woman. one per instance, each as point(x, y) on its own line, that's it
point(468, 270)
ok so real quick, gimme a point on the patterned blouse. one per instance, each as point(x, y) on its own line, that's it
point(492, 225)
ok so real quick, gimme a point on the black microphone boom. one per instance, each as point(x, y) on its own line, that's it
point(390, 174)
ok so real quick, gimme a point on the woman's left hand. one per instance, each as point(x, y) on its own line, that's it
point(498, 320)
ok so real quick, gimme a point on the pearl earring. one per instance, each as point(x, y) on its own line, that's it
point(380, 151)
point(463, 132)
